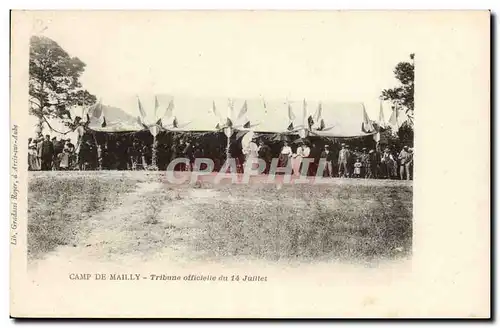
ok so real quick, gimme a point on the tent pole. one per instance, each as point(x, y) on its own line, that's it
point(153, 155)
point(227, 147)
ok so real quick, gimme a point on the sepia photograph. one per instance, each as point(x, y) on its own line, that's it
point(224, 148)
point(272, 176)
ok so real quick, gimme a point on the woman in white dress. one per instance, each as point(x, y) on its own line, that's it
point(285, 154)
point(250, 151)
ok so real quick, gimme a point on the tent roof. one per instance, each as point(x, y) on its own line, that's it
point(342, 119)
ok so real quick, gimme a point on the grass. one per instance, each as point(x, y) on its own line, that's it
point(309, 222)
point(343, 221)
point(57, 209)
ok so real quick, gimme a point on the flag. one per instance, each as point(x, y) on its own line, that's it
point(157, 105)
point(381, 118)
point(291, 116)
point(290, 127)
point(141, 110)
point(96, 110)
point(367, 125)
point(247, 125)
point(159, 122)
point(103, 122)
point(393, 120)
point(310, 121)
point(217, 127)
point(214, 109)
point(243, 110)
point(230, 108)
point(318, 113)
point(170, 109)
point(175, 123)
point(321, 125)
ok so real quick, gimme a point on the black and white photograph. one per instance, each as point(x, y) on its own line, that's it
point(106, 167)
point(170, 149)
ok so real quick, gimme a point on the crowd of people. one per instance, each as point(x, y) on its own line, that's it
point(342, 160)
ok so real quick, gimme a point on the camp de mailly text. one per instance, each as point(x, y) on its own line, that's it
point(165, 277)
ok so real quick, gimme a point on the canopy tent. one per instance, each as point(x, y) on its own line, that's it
point(191, 114)
point(340, 120)
point(104, 118)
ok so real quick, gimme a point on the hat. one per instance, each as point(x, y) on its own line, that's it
point(371, 151)
point(327, 146)
point(343, 144)
point(364, 148)
point(405, 147)
point(347, 146)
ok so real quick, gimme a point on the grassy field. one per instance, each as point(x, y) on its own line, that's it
point(112, 216)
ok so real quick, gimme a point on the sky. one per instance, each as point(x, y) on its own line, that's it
point(328, 56)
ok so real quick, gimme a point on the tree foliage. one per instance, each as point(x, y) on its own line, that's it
point(402, 96)
point(54, 80)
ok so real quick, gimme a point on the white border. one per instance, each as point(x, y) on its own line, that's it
point(186, 4)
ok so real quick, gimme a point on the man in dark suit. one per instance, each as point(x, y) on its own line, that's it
point(264, 152)
point(328, 155)
point(47, 152)
point(58, 149)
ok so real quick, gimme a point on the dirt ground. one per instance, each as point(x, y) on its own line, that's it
point(136, 217)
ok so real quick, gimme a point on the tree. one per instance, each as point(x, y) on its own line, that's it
point(54, 83)
point(402, 96)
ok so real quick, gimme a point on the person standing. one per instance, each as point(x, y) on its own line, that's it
point(285, 154)
point(58, 149)
point(251, 153)
point(66, 155)
point(188, 153)
point(264, 153)
point(306, 152)
point(369, 164)
point(327, 154)
point(39, 151)
point(388, 163)
point(404, 163)
point(344, 158)
point(412, 155)
point(135, 155)
point(297, 159)
point(364, 162)
point(72, 154)
point(357, 168)
point(33, 162)
point(351, 158)
point(47, 153)
point(315, 155)
point(175, 150)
